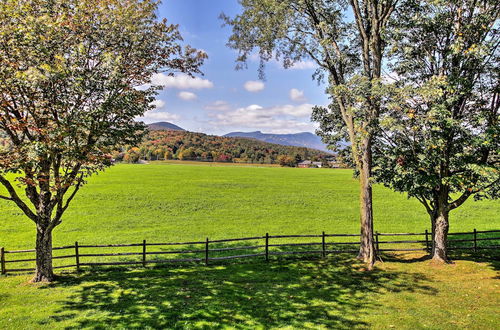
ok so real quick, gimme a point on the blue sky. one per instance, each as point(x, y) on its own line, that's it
point(225, 99)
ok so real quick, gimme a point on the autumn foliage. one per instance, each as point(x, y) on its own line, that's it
point(182, 145)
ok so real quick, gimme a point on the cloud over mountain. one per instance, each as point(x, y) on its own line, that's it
point(276, 119)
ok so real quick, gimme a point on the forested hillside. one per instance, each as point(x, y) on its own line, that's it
point(304, 139)
point(185, 145)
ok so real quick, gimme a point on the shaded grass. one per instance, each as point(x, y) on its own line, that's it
point(319, 293)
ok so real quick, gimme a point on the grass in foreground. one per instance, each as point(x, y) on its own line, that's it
point(331, 293)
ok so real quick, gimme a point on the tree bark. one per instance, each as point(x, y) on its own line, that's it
point(441, 226)
point(44, 271)
point(439, 214)
point(367, 251)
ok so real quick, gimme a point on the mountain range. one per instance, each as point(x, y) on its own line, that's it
point(304, 139)
point(164, 125)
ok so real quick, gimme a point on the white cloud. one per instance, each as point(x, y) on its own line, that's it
point(142, 87)
point(296, 95)
point(277, 119)
point(302, 110)
point(159, 104)
point(304, 65)
point(254, 86)
point(187, 96)
point(158, 114)
point(181, 81)
point(218, 106)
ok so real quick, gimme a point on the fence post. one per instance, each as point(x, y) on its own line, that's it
point(376, 241)
point(267, 246)
point(475, 240)
point(323, 245)
point(206, 253)
point(427, 241)
point(144, 253)
point(77, 256)
point(2, 261)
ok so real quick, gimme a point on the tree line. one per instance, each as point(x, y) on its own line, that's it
point(184, 145)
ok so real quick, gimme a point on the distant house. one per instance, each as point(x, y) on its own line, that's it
point(308, 163)
point(304, 164)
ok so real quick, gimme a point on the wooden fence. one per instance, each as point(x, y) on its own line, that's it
point(265, 247)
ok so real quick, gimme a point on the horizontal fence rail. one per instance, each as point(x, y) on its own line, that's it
point(255, 246)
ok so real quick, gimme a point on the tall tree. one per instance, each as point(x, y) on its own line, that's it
point(345, 40)
point(69, 72)
point(441, 141)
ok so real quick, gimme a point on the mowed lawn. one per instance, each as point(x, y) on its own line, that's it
point(166, 203)
point(170, 202)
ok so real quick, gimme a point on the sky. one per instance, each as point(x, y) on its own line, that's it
point(226, 100)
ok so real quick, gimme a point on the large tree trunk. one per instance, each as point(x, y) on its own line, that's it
point(441, 226)
point(367, 251)
point(44, 271)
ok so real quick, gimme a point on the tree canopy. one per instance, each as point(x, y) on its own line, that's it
point(440, 138)
point(70, 72)
point(345, 40)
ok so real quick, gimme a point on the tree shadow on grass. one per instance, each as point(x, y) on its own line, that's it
point(333, 293)
point(487, 250)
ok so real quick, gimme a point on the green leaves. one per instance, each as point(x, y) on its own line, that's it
point(69, 72)
point(447, 110)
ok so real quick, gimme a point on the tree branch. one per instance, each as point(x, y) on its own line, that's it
point(15, 198)
point(6, 198)
point(460, 200)
point(60, 208)
point(359, 19)
point(424, 202)
point(70, 198)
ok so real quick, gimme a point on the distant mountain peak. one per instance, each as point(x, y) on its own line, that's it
point(164, 125)
point(303, 139)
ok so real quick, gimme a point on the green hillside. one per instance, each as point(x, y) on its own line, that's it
point(184, 145)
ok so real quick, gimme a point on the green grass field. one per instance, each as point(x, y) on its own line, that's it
point(164, 202)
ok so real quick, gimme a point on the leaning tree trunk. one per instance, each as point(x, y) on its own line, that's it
point(367, 251)
point(44, 271)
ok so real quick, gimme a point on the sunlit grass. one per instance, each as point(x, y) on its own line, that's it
point(165, 203)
